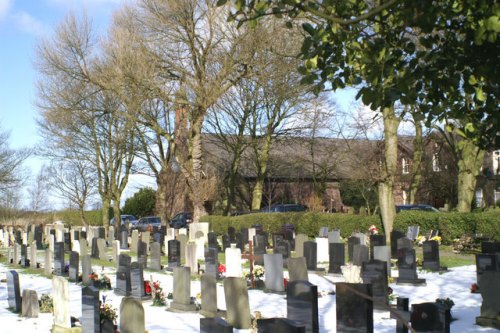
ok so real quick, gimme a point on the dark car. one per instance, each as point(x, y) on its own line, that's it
point(422, 207)
point(148, 223)
point(181, 220)
point(281, 208)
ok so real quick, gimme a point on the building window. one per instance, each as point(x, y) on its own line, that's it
point(479, 198)
point(435, 163)
point(405, 166)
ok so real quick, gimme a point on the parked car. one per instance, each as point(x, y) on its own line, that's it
point(423, 207)
point(181, 220)
point(281, 208)
point(124, 217)
point(148, 223)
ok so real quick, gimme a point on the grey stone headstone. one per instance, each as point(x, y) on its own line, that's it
point(83, 247)
point(375, 273)
point(337, 257)
point(13, 291)
point(91, 320)
point(191, 260)
point(33, 259)
point(412, 232)
point(404, 243)
point(211, 261)
point(237, 303)
point(323, 232)
point(47, 268)
point(302, 304)
point(297, 269)
point(101, 245)
point(395, 235)
point(182, 242)
point(360, 255)
point(155, 261)
point(86, 269)
point(376, 240)
point(123, 283)
point(182, 290)
point(124, 240)
point(354, 312)
point(383, 253)
point(334, 236)
point(407, 268)
point(300, 239)
point(490, 292)
point(215, 325)
point(132, 316)
point(30, 307)
point(142, 253)
point(135, 241)
point(60, 296)
point(208, 295)
point(273, 266)
point(74, 266)
point(279, 325)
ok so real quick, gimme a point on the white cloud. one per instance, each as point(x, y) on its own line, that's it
point(4, 8)
point(30, 24)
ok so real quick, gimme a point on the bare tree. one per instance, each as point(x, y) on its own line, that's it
point(11, 160)
point(38, 191)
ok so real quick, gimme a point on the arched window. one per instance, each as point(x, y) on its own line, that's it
point(405, 166)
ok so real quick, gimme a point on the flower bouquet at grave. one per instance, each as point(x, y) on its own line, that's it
point(258, 272)
point(437, 239)
point(420, 240)
point(102, 282)
point(474, 288)
point(447, 303)
point(46, 304)
point(147, 287)
point(373, 230)
point(221, 270)
point(107, 313)
point(159, 298)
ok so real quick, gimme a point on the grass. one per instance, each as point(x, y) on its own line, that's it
point(449, 258)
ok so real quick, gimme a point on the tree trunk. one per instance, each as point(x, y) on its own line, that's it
point(470, 159)
point(82, 215)
point(388, 172)
point(116, 213)
point(197, 194)
point(262, 158)
point(161, 196)
point(106, 203)
point(416, 172)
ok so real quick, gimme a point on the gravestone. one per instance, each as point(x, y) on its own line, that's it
point(86, 269)
point(208, 295)
point(155, 262)
point(490, 292)
point(91, 320)
point(375, 273)
point(24, 256)
point(302, 304)
point(124, 240)
point(132, 316)
point(233, 262)
point(351, 241)
point(39, 237)
point(137, 281)
point(111, 234)
point(279, 325)
point(334, 236)
point(283, 247)
point(430, 317)
point(123, 283)
point(74, 266)
point(15, 258)
point(182, 290)
point(486, 262)
point(405, 243)
point(225, 241)
point(395, 235)
point(383, 253)
point(211, 261)
point(431, 256)
point(47, 268)
point(297, 269)
point(135, 240)
point(75, 246)
point(376, 240)
point(13, 291)
point(323, 232)
point(94, 250)
point(101, 245)
point(351, 273)
point(83, 247)
point(407, 268)
point(401, 314)
point(60, 297)
point(354, 312)
point(273, 266)
point(174, 257)
point(237, 303)
point(191, 260)
point(310, 253)
point(142, 254)
point(337, 257)
point(59, 258)
point(212, 240)
point(299, 244)
point(412, 232)
point(362, 237)
point(490, 247)
point(322, 249)
point(33, 261)
point(30, 307)
point(360, 254)
point(199, 240)
point(116, 251)
point(259, 249)
point(182, 247)
point(146, 238)
point(67, 241)
point(215, 325)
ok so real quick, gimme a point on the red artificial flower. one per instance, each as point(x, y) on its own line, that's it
point(285, 282)
point(474, 288)
point(147, 288)
point(222, 268)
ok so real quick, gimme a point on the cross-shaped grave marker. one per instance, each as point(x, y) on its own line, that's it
point(250, 258)
point(402, 315)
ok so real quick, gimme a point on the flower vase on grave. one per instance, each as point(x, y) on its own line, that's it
point(107, 326)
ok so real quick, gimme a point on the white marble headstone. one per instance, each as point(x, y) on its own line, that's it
point(322, 253)
point(60, 294)
point(233, 262)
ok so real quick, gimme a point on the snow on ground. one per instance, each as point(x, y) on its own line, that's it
point(454, 284)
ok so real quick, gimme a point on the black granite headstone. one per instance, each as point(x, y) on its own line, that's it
point(215, 325)
point(351, 241)
point(279, 325)
point(337, 257)
point(430, 317)
point(311, 255)
point(142, 253)
point(67, 241)
point(211, 261)
point(94, 251)
point(486, 262)
point(375, 273)
point(490, 247)
point(259, 248)
point(13, 291)
point(123, 286)
point(74, 266)
point(24, 256)
point(431, 255)
point(174, 254)
point(137, 281)
point(91, 314)
point(59, 258)
point(302, 304)
point(212, 240)
point(354, 309)
point(407, 268)
point(401, 314)
point(39, 237)
point(395, 235)
point(376, 240)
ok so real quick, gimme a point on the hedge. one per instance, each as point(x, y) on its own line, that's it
point(450, 225)
point(304, 222)
point(93, 217)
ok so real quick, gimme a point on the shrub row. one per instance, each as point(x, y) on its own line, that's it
point(93, 217)
point(450, 225)
point(307, 223)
